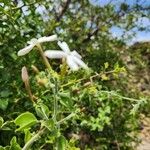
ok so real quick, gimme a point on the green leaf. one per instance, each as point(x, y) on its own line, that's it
point(2, 148)
point(66, 100)
point(104, 77)
point(106, 64)
point(65, 95)
point(42, 111)
point(3, 104)
point(28, 135)
point(1, 121)
point(49, 124)
point(124, 6)
point(25, 121)
point(14, 145)
point(7, 148)
point(5, 93)
point(61, 141)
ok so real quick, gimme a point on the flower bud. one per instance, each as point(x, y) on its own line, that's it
point(35, 69)
point(42, 82)
point(24, 74)
point(87, 84)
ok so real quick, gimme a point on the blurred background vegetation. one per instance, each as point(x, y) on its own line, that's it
point(86, 26)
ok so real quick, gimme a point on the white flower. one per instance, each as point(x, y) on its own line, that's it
point(73, 59)
point(35, 42)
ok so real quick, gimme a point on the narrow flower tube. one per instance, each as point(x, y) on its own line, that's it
point(55, 54)
point(47, 39)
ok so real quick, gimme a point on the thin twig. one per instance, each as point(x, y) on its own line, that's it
point(67, 118)
point(116, 141)
point(123, 97)
point(91, 77)
point(64, 9)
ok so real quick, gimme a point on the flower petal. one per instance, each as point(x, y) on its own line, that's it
point(64, 46)
point(75, 53)
point(25, 50)
point(33, 41)
point(73, 66)
point(79, 62)
point(54, 54)
point(47, 39)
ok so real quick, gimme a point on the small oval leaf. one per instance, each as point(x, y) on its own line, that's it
point(25, 120)
point(1, 122)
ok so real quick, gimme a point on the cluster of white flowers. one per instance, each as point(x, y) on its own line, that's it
point(73, 59)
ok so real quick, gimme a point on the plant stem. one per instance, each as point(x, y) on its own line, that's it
point(55, 110)
point(67, 118)
point(33, 139)
point(91, 77)
point(47, 64)
point(123, 97)
point(27, 86)
point(55, 102)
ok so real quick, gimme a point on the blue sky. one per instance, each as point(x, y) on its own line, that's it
point(117, 32)
point(130, 2)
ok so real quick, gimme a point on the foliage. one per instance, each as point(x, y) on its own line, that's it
point(91, 105)
point(136, 59)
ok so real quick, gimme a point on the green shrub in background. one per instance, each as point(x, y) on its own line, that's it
point(94, 108)
point(71, 107)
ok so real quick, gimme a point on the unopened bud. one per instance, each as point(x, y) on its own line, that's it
point(35, 69)
point(42, 82)
point(87, 84)
point(24, 74)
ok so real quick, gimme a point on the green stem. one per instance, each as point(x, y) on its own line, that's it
point(55, 110)
point(91, 77)
point(33, 139)
point(123, 97)
point(44, 57)
point(27, 86)
point(55, 102)
point(67, 118)
point(46, 62)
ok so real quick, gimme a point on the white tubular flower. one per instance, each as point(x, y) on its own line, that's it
point(34, 42)
point(55, 54)
point(73, 59)
point(64, 46)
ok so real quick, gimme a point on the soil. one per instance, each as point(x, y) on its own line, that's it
point(144, 136)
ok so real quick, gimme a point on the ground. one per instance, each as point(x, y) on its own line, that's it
point(144, 136)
